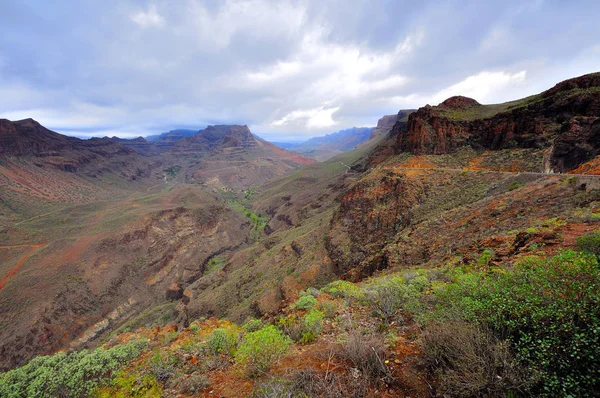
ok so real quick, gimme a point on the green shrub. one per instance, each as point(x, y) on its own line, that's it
point(261, 349)
point(162, 366)
point(420, 283)
point(485, 258)
point(329, 308)
point(342, 289)
point(292, 326)
point(548, 309)
point(387, 296)
point(130, 385)
point(194, 328)
point(222, 341)
point(589, 243)
point(313, 324)
point(75, 374)
point(305, 302)
point(252, 325)
point(311, 291)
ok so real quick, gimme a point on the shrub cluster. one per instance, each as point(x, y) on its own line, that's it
point(549, 312)
point(305, 302)
point(261, 349)
point(222, 341)
point(75, 374)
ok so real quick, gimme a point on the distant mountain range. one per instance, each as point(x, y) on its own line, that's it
point(327, 146)
point(173, 135)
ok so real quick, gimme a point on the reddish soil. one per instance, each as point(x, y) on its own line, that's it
point(15, 269)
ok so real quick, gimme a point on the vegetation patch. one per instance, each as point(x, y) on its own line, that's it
point(76, 374)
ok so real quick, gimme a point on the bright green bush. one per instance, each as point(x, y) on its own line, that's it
point(261, 349)
point(589, 243)
point(313, 324)
point(74, 375)
point(342, 289)
point(131, 385)
point(486, 257)
point(419, 283)
point(222, 341)
point(549, 310)
point(305, 302)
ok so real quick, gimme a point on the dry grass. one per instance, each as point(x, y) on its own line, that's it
point(470, 361)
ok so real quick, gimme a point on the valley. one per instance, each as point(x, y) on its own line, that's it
point(106, 242)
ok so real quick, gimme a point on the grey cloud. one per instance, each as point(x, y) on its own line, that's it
point(141, 67)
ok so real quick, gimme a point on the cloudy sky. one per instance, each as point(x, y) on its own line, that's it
point(288, 69)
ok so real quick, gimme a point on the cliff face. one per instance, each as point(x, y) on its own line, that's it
point(565, 116)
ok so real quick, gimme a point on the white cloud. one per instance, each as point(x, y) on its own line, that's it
point(481, 86)
point(310, 118)
point(148, 19)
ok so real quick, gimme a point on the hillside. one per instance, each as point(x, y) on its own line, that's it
point(232, 157)
point(439, 258)
point(562, 120)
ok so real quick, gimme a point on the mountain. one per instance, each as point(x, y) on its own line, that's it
point(385, 124)
point(563, 120)
point(173, 135)
point(233, 157)
point(41, 168)
point(444, 233)
point(325, 147)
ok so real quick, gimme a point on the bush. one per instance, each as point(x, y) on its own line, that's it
point(469, 361)
point(162, 366)
point(367, 352)
point(305, 302)
point(485, 258)
point(194, 328)
point(75, 374)
point(222, 341)
point(342, 289)
point(589, 243)
point(310, 383)
point(292, 326)
point(194, 384)
point(549, 310)
point(261, 349)
point(313, 324)
point(311, 291)
point(388, 296)
point(252, 325)
point(329, 309)
point(132, 385)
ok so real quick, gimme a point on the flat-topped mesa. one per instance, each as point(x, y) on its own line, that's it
point(565, 118)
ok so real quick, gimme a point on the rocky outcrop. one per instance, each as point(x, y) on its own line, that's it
point(385, 124)
point(369, 213)
point(563, 116)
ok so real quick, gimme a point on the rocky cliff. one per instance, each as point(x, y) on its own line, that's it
point(564, 117)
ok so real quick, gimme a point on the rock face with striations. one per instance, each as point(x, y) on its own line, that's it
point(564, 117)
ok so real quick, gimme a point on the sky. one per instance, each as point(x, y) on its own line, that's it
point(290, 70)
